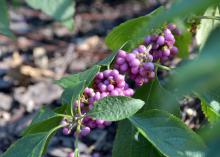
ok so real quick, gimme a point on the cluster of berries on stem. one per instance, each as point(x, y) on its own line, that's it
point(139, 66)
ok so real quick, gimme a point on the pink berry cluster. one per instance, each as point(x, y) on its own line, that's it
point(106, 83)
point(163, 44)
point(139, 64)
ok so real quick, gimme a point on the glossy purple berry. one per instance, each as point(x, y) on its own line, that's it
point(85, 131)
point(160, 40)
point(122, 54)
point(66, 131)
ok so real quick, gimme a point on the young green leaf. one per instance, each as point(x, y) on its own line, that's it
point(128, 142)
point(130, 31)
point(168, 134)
point(211, 114)
point(61, 10)
point(114, 108)
point(72, 80)
point(70, 95)
point(31, 145)
point(4, 20)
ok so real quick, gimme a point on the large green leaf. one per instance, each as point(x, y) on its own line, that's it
point(168, 134)
point(4, 19)
point(45, 120)
point(152, 94)
point(43, 114)
point(128, 142)
point(206, 26)
point(43, 126)
point(61, 10)
point(70, 95)
point(213, 140)
point(130, 32)
point(108, 60)
point(72, 80)
point(32, 145)
point(199, 75)
point(114, 108)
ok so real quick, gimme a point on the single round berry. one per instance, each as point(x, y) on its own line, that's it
point(149, 66)
point(85, 131)
point(66, 131)
point(120, 60)
point(122, 54)
point(70, 154)
point(130, 57)
point(160, 40)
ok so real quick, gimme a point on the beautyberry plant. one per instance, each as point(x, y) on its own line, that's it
point(129, 86)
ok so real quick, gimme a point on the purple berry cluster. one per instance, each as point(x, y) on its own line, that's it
point(112, 83)
point(163, 44)
point(106, 83)
point(139, 64)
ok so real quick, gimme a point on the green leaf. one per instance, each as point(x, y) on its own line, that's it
point(208, 109)
point(61, 10)
point(61, 109)
point(45, 120)
point(108, 60)
point(43, 126)
point(206, 26)
point(152, 94)
point(183, 42)
point(199, 75)
point(130, 32)
point(74, 79)
point(128, 142)
point(43, 114)
point(70, 95)
point(213, 139)
point(69, 24)
point(4, 20)
point(114, 108)
point(168, 134)
point(32, 145)
point(180, 9)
